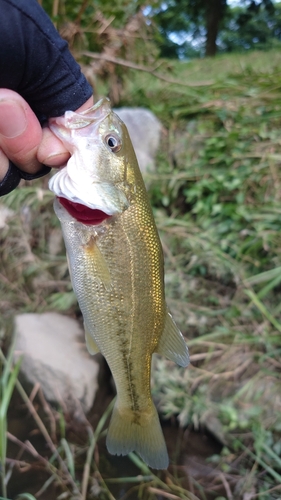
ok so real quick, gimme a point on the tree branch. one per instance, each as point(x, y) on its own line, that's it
point(138, 67)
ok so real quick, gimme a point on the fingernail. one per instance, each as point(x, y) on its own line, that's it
point(56, 159)
point(13, 120)
point(4, 166)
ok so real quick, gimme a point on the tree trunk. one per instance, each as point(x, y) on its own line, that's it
point(214, 14)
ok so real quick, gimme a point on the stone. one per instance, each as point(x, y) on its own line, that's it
point(54, 354)
point(145, 132)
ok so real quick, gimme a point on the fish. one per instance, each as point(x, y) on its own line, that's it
point(116, 266)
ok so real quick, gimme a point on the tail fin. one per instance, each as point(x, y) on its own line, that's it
point(139, 432)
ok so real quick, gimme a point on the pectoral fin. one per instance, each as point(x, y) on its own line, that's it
point(90, 343)
point(97, 264)
point(172, 344)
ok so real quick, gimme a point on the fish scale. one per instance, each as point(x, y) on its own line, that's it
point(117, 273)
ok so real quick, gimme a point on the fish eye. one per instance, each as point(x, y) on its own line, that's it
point(113, 142)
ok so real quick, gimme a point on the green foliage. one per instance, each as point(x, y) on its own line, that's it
point(83, 13)
point(8, 377)
point(250, 29)
point(92, 25)
point(178, 19)
point(180, 28)
point(184, 26)
point(223, 162)
point(98, 33)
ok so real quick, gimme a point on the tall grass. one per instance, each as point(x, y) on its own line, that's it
point(63, 456)
point(8, 378)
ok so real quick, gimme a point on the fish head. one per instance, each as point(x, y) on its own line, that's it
point(100, 172)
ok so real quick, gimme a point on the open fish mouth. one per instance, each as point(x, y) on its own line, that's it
point(82, 213)
point(100, 197)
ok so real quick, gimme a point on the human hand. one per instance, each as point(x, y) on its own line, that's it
point(37, 81)
point(22, 139)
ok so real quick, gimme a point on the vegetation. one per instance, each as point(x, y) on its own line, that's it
point(180, 28)
point(216, 199)
point(207, 27)
point(251, 29)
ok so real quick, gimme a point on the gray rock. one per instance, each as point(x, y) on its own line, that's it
point(145, 132)
point(54, 354)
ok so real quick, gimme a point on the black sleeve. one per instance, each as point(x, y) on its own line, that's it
point(35, 61)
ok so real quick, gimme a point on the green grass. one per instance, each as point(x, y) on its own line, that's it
point(8, 380)
point(217, 203)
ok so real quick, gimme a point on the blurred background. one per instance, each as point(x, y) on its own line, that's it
point(209, 71)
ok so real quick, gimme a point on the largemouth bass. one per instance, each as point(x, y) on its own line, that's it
point(116, 265)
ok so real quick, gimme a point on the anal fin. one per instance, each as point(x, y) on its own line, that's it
point(90, 343)
point(172, 344)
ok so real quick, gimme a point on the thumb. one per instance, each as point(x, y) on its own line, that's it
point(20, 133)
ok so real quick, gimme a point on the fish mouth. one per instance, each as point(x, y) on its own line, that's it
point(80, 189)
point(81, 213)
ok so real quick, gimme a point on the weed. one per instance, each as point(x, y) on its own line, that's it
point(7, 383)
